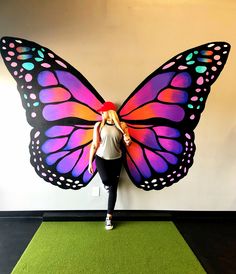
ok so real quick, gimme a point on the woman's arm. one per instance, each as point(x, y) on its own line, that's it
point(94, 146)
point(126, 136)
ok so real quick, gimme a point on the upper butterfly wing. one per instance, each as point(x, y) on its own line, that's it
point(164, 110)
point(60, 105)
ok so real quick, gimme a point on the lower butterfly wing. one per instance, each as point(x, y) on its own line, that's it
point(60, 105)
point(60, 155)
point(164, 110)
point(159, 155)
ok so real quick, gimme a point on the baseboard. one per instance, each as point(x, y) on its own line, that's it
point(145, 215)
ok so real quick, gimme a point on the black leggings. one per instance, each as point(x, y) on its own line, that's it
point(109, 171)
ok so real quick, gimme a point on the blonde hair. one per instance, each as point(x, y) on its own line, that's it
point(112, 115)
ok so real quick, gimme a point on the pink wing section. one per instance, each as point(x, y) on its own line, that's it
point(161, 97)
point(54, 95)
point(156, 110)
point(71, 99)
point(47, 78)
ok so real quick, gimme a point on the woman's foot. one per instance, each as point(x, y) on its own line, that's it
point(108, 224)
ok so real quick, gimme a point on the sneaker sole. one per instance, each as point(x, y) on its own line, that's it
point(109, 228)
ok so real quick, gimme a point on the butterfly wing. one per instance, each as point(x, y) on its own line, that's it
point(164, 110)
point(60, 105)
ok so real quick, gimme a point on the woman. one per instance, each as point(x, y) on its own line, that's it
point(106, 145)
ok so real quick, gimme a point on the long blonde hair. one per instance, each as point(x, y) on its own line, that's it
point(112, 115)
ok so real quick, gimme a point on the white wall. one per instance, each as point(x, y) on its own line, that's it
point(115, 45)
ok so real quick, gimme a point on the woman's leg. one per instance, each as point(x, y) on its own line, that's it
point(103, 168)
point(112, 199)
point(109, 171)
point(115, 168)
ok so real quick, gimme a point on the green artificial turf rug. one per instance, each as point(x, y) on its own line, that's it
point(86, 247)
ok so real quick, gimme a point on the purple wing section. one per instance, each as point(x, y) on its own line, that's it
point(147, 93)
point(63, 157)
point(78, 90)
point(156, 110)
point(163, 111)
point(60, 105)
point(160, 157)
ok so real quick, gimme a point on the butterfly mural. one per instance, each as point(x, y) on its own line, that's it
point(161, 113)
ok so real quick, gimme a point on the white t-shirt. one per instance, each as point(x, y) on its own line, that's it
point(110, 145)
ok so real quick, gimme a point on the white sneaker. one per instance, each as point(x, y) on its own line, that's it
point(108, 224)
point(106, 188)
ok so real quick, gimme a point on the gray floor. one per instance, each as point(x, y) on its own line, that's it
point(15, 234)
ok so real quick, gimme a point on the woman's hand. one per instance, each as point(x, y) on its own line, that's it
point(127, 139)
point(90, 168)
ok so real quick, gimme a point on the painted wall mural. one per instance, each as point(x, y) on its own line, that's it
point(161, 113)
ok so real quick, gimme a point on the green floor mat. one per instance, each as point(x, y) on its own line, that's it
point(86, 247)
